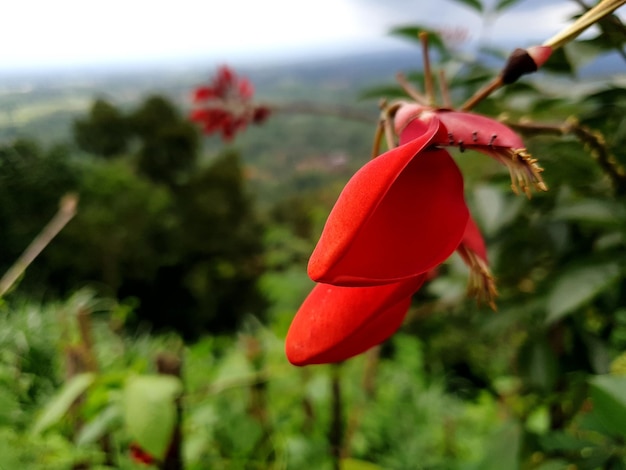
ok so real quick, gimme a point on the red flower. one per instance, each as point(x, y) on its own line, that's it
point(336, 323)
point(399, 217)
point(404, 212)
point(140, 456)
point(225, 106)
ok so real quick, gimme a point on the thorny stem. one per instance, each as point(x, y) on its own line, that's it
point(594, 140)
point(428, 77)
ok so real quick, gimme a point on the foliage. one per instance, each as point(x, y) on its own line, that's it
point(103, 132)
point(152, 225)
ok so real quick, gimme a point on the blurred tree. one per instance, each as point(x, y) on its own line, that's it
point(32, 181)
point(169, 154)
point(104, 131)
point(221, 243)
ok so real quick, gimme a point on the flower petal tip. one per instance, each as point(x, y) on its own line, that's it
point(539, 54)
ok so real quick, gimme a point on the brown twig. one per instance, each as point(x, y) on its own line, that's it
point(66, 211)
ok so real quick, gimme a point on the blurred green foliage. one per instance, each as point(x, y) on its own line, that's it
point(154, 224)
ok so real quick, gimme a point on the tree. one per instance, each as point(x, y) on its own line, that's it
point(103, 132)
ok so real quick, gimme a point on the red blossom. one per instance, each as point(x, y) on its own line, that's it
point(397, 219)
point(225, 106)
point(335, 323)
point(399, 216)
point(140, 456)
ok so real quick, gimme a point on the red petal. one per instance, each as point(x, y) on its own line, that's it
point(203, 93)
point(245, 89)
point(469, 130)
point(400, 215)
point(473, 240)
point(335, 323)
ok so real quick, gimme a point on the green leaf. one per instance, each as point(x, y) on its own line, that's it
point(502, 449)
point(99, 426)
point(150, 411)
point(592, 211)
point(474, 4)
point(383, 91)
point(538, 363)
point(493, 209)
point(62, 401)
point(578, 286)
point(559, 62)
point(504, 4)
point(609, 401)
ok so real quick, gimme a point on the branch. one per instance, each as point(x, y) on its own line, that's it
point(66, 211)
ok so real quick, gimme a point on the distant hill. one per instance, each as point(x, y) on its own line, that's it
point(44, 103)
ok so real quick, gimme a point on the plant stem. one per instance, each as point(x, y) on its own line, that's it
point(66, 211)
point(592, 16)
point(428, 75)
point(335, 433)
point(482, 93)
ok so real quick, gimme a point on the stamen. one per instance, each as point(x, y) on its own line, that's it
point(523, 168)
point(481, 284)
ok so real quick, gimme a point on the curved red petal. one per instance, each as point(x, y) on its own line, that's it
point(473, 240)
point(335, 323)
point(400, 215)
point(469, 130)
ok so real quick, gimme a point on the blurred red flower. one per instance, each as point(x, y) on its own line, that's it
point(225, 105)
point(140, 456)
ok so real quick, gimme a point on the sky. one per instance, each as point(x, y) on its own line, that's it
point(71, 33)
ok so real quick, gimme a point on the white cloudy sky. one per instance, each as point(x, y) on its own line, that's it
point(40, 33)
